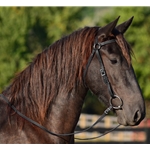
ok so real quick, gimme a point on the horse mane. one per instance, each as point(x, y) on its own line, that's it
point(58, 68)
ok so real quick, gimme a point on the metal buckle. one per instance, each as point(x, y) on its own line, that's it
point(108, 110)
point(116, 107)
point(102, 72)
point(97, 46)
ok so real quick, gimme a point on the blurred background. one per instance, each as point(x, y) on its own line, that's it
point(26, 31)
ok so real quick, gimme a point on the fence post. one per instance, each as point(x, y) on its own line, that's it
point(147, 135)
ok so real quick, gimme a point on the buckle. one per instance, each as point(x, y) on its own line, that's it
point(97, 46)
point(108, 110)
point(102, 72)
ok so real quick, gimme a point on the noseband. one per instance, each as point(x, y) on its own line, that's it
point(96, 48)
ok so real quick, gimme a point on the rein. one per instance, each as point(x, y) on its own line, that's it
point(97, 46)
point(66, 134)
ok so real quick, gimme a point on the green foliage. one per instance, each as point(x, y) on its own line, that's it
point(138, 36)
point(26, 31)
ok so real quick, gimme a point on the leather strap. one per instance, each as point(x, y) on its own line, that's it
point(52, 133)
point(96, 49)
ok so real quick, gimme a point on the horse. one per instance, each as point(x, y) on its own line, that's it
point(52, 88)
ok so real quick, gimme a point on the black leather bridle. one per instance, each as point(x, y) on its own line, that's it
point(96, 49)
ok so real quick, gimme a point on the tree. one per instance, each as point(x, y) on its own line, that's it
point(26, 31)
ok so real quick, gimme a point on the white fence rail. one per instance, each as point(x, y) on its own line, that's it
point(123, 134)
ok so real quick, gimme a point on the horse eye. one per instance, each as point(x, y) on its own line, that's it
point(114, 61)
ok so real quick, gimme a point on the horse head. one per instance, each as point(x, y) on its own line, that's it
point(116, 61)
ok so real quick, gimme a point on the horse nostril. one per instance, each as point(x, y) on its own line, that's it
point(137, 116)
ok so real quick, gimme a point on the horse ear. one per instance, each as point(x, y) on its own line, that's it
point(125, 25)
point(106, 30)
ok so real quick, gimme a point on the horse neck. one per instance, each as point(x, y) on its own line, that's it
point(65, 111)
